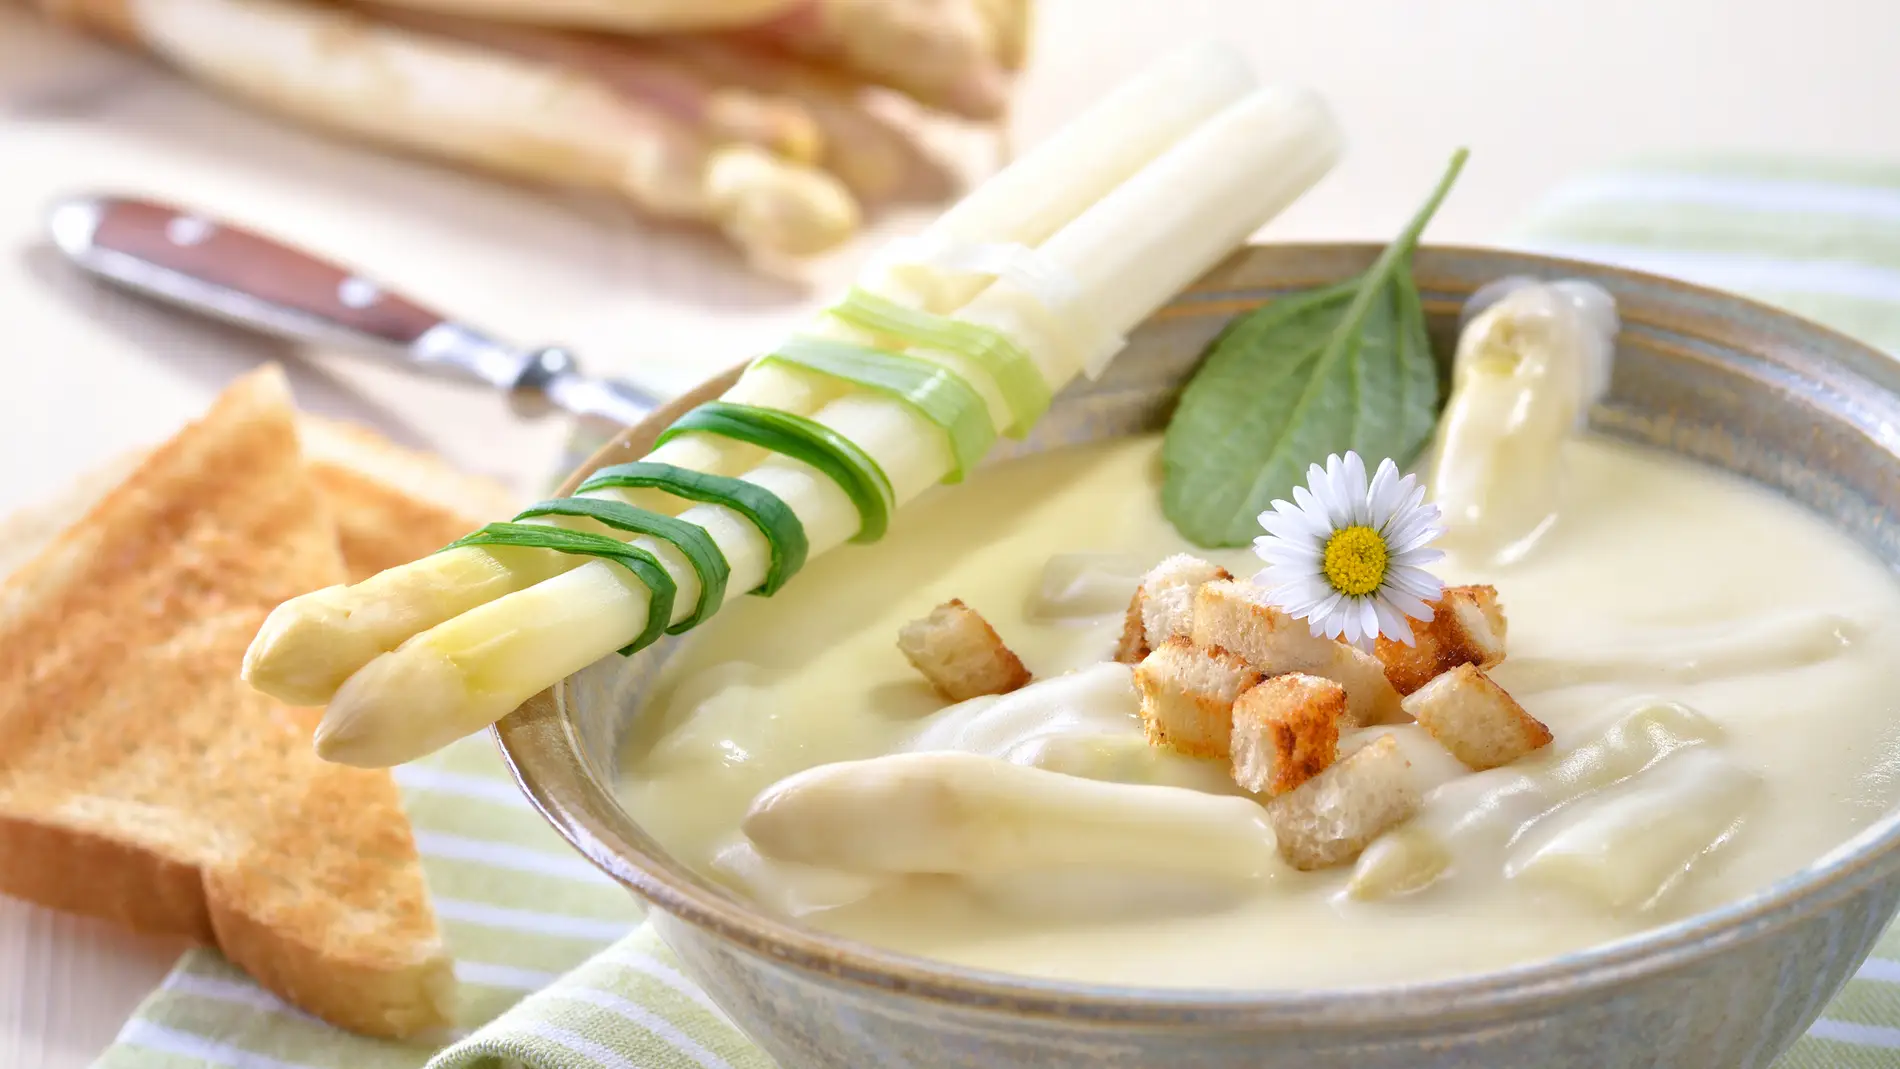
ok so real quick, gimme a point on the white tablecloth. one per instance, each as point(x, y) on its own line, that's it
point(1536, 89)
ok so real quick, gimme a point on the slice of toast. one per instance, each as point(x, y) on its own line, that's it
point(141, 782)
point(393, 505)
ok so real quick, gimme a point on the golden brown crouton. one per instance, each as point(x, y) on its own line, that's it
point(1163, 606)
point(1330, 818)
point(1133, 645)
point(1467, 627)
point(1286, 731)
point(1475, 719)
point(960, 653)
point(1187, 696)
point(1235, 616)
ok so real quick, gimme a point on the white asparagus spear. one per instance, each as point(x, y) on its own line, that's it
point(1139, 245)
point(310, 645)
point(1628, 846)
point(960, 814)
point(1528, 369)
point(1097, 151)
point(530, 120)
point(626, 16)
point(1470, 819)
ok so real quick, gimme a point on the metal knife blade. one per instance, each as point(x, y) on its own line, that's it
point(192, 261)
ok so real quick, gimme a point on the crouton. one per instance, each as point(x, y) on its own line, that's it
point(1187, 696)
point(1467, 627)
point(1475, 719)
point(1163, 606)
point(1236, 617)
point(1133, 645)
point(1286, 731)
point(1331, 818)
point(960, 653)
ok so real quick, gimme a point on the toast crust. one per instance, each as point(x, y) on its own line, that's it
point(141, 782)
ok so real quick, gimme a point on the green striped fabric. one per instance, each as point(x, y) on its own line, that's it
point(557, 975)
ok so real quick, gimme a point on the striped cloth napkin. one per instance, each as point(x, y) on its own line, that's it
point(556, 971)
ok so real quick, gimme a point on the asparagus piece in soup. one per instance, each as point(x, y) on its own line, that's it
point(1527, 370)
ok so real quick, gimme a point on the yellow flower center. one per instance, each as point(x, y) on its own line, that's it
point(1355, 560)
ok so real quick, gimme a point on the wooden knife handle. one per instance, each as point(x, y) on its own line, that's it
point(233, 273)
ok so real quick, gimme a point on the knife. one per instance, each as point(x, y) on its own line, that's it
point(212, 267)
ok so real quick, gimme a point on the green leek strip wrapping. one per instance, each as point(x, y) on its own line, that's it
point(774, 518)
point(690, 539)
point(642, 564)
point(1015, 374)
point(803, 440)
point(933, 391)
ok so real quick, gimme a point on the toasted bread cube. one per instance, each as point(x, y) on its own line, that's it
point(1286, 731)
point(960, 653)
point(1187, 696)
point(1467, 627)
point(1236, 617)
point(1163, 605)
point(1133, 644)
point(1475, 719)
point(1332, 817)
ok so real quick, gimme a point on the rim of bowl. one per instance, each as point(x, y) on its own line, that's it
point(542, 754)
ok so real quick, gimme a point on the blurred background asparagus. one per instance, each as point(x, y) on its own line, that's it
point(765, 119)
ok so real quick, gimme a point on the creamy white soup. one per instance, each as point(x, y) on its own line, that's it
point(1718, 669)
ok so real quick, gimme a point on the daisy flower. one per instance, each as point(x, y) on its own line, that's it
point(1349, 558)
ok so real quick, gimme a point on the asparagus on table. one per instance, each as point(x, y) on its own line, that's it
point(640, 73)
point(949, 54)
point(531, 120)
point(627, 16)
point(870, 154)
point(310, 645)
point(943, 53)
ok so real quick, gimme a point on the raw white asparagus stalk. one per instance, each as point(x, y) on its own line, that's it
point(465, 104)
point(627, 16)
point(310, 645)
point(640, 72)
point(1178, 217)
point(960, 814)
point(1093, 153)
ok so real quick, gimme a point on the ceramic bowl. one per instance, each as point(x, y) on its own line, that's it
point(1725, 381)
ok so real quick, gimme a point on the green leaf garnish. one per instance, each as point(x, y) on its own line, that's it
point(1347, 366)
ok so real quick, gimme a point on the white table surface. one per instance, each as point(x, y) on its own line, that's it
point(1537, 88)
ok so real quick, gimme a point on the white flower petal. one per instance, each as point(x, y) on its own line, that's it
point(1413, 529)
point(1290, 558)
point(1420, 584)
point(1416, 558)
point(1352, 487)
point(1292, 525)
point(1406, 605)
point(1392, 623)
point(1381, 502)
point(1313, 509)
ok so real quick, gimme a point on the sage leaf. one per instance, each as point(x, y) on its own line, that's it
point(1346, 366)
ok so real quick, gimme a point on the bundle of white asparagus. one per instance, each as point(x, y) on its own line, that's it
point(752, 116)
point(817, 441)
